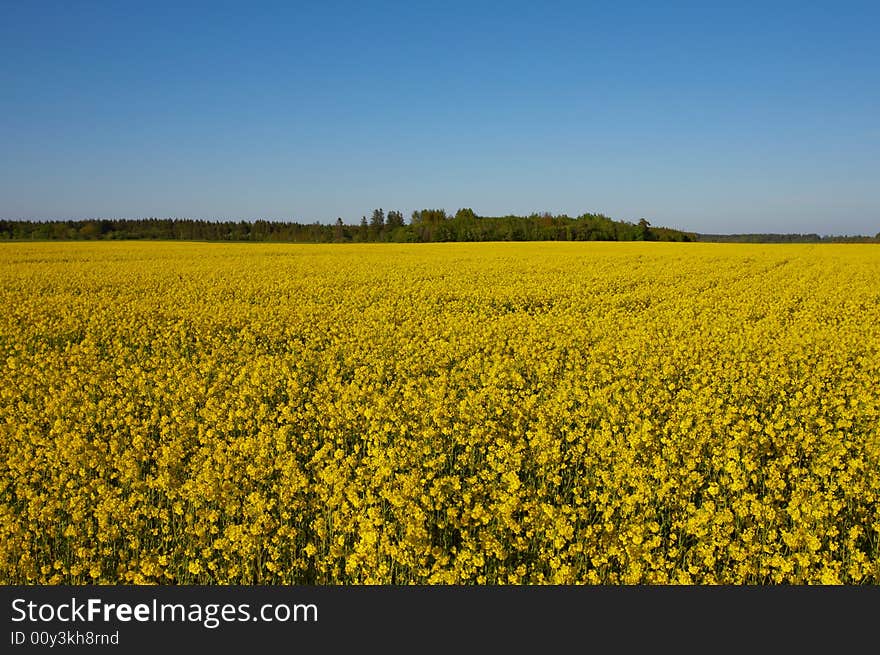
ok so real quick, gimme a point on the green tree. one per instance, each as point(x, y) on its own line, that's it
point(377, 224)
point(90, 230)
point(394, 220)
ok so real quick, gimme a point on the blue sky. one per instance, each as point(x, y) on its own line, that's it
point(736, 118)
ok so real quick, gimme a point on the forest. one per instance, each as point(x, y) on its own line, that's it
point(426, 225)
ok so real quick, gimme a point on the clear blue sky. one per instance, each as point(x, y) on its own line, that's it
point(755, 116)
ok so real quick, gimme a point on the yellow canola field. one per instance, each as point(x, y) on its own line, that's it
point(439, 413)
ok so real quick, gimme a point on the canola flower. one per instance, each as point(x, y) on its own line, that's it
point(531, 413)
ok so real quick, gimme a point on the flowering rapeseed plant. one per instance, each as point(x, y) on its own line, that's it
point(444, 413)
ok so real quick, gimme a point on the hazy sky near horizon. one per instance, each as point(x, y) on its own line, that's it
point(749, 117)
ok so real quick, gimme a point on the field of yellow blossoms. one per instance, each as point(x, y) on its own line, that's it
point(502, 413)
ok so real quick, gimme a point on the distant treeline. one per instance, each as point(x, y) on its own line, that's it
point(426, 225)
point(786, 238)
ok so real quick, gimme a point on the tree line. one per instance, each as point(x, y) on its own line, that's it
point(425, 225)
point(787, 238)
